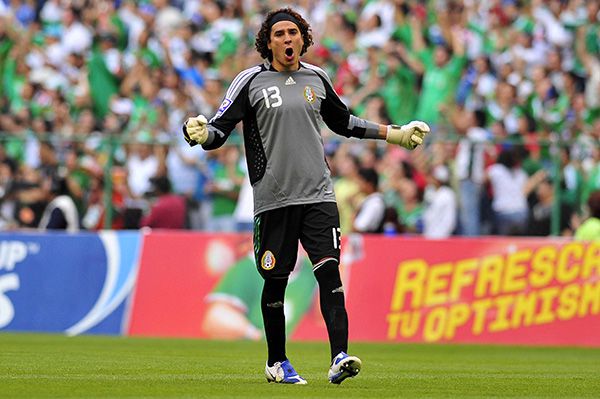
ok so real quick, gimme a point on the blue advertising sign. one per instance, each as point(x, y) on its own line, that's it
point(71, 283)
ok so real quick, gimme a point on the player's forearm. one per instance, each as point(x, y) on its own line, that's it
point(361, 128)
point(364, 129)
point(216, 138)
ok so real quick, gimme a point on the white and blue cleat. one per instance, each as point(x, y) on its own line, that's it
point(283, 373)
point(342, 367)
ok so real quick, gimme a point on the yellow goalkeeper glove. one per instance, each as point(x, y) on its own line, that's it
point(408, 136)
point(195, 131)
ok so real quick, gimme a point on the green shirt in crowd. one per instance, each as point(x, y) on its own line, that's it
point(103, 84)
point(222, 204)
point(398, 94)
point(439, 84)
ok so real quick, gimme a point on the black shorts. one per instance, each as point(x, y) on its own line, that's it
point(276, 235)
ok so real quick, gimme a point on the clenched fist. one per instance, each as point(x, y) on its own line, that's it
point(195, 131)
point(408, 136)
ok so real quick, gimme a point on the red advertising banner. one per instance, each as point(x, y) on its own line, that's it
point(517, 291)
point(177, 272)
point(514, 291)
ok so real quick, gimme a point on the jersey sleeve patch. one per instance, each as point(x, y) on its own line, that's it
point(223, 107)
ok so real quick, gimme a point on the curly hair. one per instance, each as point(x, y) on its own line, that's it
point(264, 34)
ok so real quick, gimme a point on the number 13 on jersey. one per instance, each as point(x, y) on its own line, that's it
point(337, 237)
point(272, 97)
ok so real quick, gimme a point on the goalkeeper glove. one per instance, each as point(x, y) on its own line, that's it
point(408, 136)
point(195, 131)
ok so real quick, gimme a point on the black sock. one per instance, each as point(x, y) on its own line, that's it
point(272, 310)
point(331, 295)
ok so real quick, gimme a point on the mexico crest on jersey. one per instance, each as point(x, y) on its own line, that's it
point(268, 260)
point(309, 94)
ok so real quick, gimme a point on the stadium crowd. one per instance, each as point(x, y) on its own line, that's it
point(511, 89)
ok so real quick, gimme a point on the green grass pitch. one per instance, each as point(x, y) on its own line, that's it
point(44, 366)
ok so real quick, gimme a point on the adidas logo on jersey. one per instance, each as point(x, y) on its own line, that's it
point(290, 81)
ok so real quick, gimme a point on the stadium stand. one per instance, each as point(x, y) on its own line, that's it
point(95, 92)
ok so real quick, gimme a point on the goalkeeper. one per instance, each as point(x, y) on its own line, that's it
point(281, 103)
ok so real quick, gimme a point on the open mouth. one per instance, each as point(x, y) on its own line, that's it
point(289, 53)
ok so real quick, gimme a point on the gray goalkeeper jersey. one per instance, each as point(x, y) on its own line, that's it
point(281, 114)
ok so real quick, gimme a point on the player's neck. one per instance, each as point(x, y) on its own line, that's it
point(285, 68)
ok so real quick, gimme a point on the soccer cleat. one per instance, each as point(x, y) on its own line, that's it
point(283, 373)
point(342, 367)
